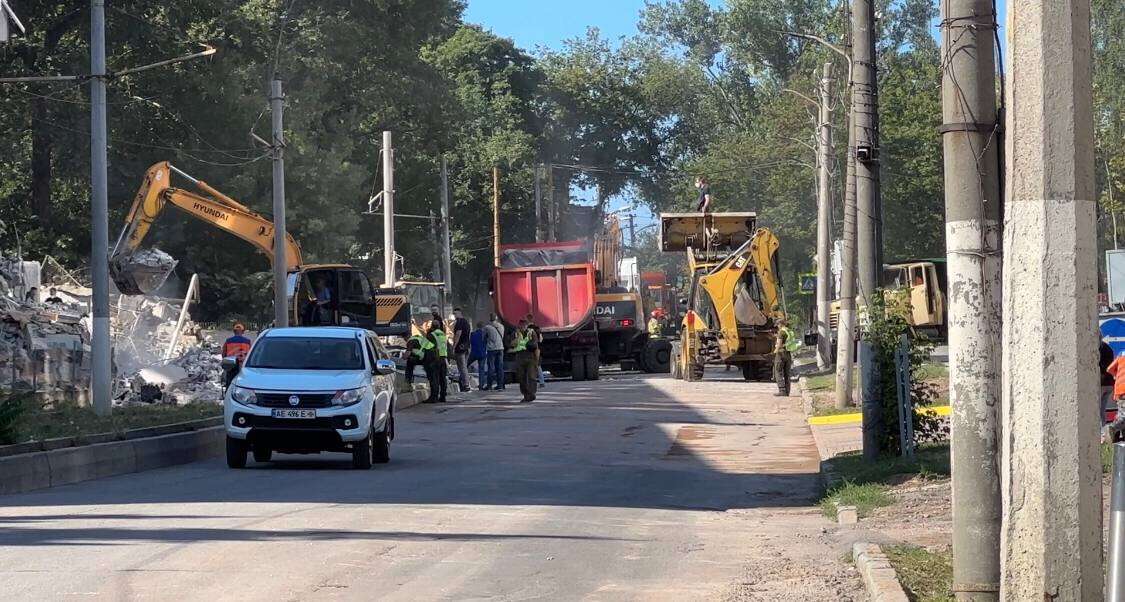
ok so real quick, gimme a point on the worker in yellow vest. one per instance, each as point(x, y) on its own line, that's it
point(784, 346)
point(417, 348)
point(525, 344)
point(440, 381)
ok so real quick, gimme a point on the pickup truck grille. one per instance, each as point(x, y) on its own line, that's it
point(307, 400)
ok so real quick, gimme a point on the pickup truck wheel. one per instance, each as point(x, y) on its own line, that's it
point(236, 453)
point(381, 451)
point(262, 454)
point(361, 451)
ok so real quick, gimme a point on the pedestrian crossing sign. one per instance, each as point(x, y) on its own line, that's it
point(806, 284)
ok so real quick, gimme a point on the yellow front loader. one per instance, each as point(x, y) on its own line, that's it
point(734, 304)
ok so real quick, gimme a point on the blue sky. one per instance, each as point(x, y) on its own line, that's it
point(544, 23)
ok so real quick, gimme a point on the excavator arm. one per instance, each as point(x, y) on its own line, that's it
point(209, 205)
point(730, 292)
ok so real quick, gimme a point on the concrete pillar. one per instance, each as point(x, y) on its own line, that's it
point(1051, 538)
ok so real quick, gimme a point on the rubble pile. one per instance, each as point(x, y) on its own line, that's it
point(42, 347)
point(194, 377)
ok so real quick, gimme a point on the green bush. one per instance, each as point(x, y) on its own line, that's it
point(13, 407)
point(887, 324)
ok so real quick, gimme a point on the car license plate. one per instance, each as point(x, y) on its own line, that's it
point(294, 413)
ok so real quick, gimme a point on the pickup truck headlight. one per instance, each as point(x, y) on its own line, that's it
point(244, 396)
point(350, 396)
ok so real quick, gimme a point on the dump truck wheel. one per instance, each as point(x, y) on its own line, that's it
point(592, 366)
point(577, 367)
point(657, 356)
point(748, 372)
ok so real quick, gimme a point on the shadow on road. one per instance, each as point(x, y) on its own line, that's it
point(622, 443)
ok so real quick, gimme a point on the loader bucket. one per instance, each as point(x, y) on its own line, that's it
point(141, 273)
point(706, 232)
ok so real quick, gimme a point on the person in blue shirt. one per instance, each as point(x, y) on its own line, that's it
point(477, 353)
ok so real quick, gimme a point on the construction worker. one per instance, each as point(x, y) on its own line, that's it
point(524, 346)
point(417, 346)
point(533, 328)
point(1117, 371)
point(784, 346)
point(441, 349)
point(703, 203)
point(655, 326)
point(236, 346)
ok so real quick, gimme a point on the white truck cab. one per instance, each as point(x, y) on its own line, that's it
point(308, 390)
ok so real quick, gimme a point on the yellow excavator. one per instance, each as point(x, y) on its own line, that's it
point(352, 300)
point(734, 305)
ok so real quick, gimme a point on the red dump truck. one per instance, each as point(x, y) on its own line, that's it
point(554, 282)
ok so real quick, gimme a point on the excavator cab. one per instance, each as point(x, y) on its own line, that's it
point(341, 295)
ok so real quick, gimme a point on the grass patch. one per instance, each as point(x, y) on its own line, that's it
point(822, 382)
point(865, 498)
point(926, 576)
point(930, 460)
point(1107, 457)
point(928, 372)
point(36, 421)
point(865, 485)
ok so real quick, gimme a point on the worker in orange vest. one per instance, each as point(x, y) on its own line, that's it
point(1117, 371)
point(237, 347)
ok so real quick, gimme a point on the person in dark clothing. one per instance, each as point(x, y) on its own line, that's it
point(54, 299)
point(703, 204)
point(478, 354)
point(461, 330)
point(524, 347)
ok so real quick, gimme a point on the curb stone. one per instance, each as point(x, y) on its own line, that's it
point(879, 577)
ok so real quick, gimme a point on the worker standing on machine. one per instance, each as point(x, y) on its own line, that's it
point(784, 346)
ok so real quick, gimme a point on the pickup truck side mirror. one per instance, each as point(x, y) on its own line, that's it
point(384, 367)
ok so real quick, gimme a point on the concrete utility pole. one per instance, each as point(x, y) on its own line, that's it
point(972, 207)
point(1051, 536)
point(865, 116)
point(446, 257)
point(496, 216)
point(845, 325)
point(538, 208)
point(101, 350)
point(865, 113)
point(388, 212)
point(277, 149)
point(823, 219)
point(632, 230)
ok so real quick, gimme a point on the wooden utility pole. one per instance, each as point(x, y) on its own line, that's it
point(496, 216)
point(446, 241)
point(1051, 482)
point(971, 138)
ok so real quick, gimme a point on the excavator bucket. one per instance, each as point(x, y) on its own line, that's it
point(706, 232)
point(141, 273)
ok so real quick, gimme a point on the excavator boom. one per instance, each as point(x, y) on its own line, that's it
point(211, 206)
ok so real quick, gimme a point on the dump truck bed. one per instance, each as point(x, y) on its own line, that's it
point(706, 232)
point(559, 296)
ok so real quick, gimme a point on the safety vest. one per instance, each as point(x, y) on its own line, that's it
point(1117, 370)
point(236, 346)
point(442, 343)
point(654, 327)
point(521, 341)
point(424, 345)
point(792, 343)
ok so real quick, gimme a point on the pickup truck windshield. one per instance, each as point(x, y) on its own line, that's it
point(299, 353)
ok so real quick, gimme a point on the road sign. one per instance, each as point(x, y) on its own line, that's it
point(807, 284)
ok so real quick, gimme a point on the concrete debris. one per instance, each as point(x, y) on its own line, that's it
point(194, 377)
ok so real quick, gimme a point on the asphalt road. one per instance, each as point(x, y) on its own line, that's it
point(633, 487)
